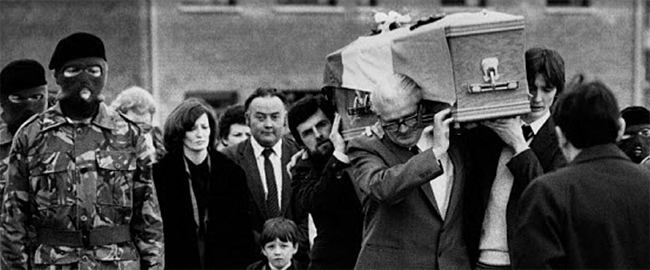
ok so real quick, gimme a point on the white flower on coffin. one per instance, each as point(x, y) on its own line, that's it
point(392, 18)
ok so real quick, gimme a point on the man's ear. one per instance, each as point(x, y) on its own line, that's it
point(621, 128)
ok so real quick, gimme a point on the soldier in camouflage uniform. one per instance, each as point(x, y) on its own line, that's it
point(23, 93)
point(80, 193)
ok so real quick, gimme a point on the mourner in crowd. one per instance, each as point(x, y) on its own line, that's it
point(509, 153)
point(203, 195)
point(23, 93)
point(323, 186)
point(232, 127)
point(636, 139)
point(279, 242)
point(595, 213)
point(138, 105)
point(79, 193)
point(264, 157)
point(412, 180)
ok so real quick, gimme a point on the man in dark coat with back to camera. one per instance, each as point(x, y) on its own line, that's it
point(323, 186)
point(595, 213)
point(23, 93)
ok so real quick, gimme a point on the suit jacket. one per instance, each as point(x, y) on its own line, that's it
point(403, 228)
point(229, 238)
point(595, 213)
point(324, 189)
point(543, 156)
point(242, 154)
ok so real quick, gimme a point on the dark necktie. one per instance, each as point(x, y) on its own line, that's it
point(272, 205)
point(528, 132)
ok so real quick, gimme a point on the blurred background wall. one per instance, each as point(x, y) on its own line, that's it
point(221, 50)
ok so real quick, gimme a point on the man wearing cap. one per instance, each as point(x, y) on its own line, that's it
point(23, 93)
point(636, 140)
point(80, 193)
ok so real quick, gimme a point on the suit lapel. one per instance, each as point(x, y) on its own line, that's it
point(457, 183)
point(402, 156)
point(247, 157)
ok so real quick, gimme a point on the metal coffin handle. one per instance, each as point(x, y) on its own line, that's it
point(490, 68)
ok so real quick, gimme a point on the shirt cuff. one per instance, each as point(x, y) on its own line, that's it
point(341, 157)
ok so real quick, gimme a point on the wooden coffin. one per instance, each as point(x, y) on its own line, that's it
point(473, 61)
point(487, 52)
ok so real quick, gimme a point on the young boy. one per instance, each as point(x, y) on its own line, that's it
point(279, 242)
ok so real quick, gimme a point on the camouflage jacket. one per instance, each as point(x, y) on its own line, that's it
point(5, 145)
point(71, 176)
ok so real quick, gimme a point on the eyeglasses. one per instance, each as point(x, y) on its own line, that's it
point(21, 99)
point(643, 133)
point(409, 121)
point(94, 71)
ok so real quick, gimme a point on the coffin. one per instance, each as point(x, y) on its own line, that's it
point(474, 61)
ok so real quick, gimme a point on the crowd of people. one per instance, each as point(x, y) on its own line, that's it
point(91, 186)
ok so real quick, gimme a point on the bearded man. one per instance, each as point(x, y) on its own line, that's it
point(80, 193)
point(322, 184)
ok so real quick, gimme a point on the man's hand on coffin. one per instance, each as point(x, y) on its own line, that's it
point(436, 136)
point(335, 135)
point(509, 130)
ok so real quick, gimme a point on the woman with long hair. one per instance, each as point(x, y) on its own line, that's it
point(203, 195)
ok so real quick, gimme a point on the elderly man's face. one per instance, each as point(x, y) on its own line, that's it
point(405, 131)
point(636, 142)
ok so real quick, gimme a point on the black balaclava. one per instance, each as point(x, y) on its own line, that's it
point(24, 79)
point(80, 93)
point(635, 146)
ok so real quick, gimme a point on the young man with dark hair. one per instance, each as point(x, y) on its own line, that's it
point(80, 193)
point(510, 153)
point(322, 184)
point(23, 93)
point(232, 127)
point(595, 213)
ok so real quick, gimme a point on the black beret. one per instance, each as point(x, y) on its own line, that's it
point(636, 115)
point(75, 46)
point(21, 74)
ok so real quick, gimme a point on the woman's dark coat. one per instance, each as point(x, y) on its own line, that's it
point(229, 238)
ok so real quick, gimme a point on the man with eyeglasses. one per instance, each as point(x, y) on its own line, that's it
point(411, 178)
point(23, 93)
point(636, 139)
point(79, 192)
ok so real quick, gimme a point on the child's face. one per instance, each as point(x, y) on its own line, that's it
point(279, 253)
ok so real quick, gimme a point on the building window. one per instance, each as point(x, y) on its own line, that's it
point(219, 100)
point(367, 3)
point(567, 3)
point(460, 3)
point(308, 2)
point(209, 2)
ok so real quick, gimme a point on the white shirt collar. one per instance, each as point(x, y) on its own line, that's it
point(537, 124)
point(283, 268)
point(257, 148)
